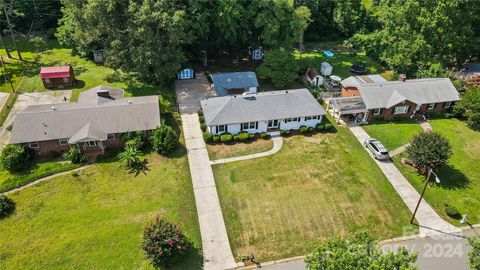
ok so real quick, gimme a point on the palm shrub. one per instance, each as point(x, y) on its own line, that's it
point(14, 157)
point(163, 243)
point(164, 139)
point(429, 150)
point(138, 136)
point(130, 156)
point(75, 156)
point(7, 206)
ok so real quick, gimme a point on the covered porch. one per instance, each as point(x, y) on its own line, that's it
point(347, 109)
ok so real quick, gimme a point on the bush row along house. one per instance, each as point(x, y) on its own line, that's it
point(262, 112)
point(371, 96)
point(94, 123)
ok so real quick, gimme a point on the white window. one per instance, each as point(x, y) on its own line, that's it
point(65, 79)
point(249, 125)
point(34, 145)
point(400, 109)
point(221, 129)
point(288, 120)
point(377, 111)
point(307, 118)
point(430, 106)
point(447, 104)
point(47, 80)
point(296, 119)
point(91, 143)
point(110, 136)
point(63, 141)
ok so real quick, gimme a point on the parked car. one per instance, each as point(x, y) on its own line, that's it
point(358, 68)
point(376, 147)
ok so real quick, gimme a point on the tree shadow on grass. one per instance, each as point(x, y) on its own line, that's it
point(193, 260)
point(452, 178)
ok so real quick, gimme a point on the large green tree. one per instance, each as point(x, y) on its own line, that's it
point(280, 67)
point(359, 252)
point(146, 37)
point(469, 107)
point(351, 17)
point(429, 150)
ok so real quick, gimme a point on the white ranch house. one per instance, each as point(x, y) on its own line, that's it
point(262, 112)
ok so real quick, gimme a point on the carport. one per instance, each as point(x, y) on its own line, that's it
point(343, 106)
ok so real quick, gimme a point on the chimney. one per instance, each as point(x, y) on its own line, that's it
point(402, 77)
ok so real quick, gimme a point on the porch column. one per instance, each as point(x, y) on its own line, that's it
point(365, 116)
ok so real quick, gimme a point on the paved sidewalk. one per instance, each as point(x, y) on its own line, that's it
point(429, 221)
point(277, 145)
point(426, 127)
point(216, 248)
point(399, 150)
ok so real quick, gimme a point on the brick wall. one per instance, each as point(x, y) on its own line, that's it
point(387, 114)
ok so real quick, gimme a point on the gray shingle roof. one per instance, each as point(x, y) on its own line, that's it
point(389, 93)
point(260, 107)
point(233, 80)
point(81, 120)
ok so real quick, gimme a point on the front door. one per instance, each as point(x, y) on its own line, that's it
point(272, 124)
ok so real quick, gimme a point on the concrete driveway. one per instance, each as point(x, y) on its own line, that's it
point(189, 93)
point(27, 99)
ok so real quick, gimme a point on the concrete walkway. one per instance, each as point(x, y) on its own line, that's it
point(426, 127)
point(429, 221)
point(277, 145)
point(45, 179)
point(216, 247)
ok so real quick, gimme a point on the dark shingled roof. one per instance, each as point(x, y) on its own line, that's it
point(233, 80)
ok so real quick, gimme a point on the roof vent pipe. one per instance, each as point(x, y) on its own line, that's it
point(286, 92)
point(129, 101)
point(53, 108)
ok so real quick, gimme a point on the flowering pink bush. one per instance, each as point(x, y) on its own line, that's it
point(163, 243)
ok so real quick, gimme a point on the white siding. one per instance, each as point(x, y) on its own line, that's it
point(262, 126)
point(252, 89)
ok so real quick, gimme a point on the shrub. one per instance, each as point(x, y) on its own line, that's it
point(9, 127)
point(327, 126)
point(75, 156)
point(265, 135)
point(216, 138)
point(139, 136)
point(236, 138)
point(136, 143)
point(310, 129)
point(203, 127)
point(207, 137)
point(320, 127)
point(285, 132)
point(7, 206)
point(130, 157)
point(14, 157)
point(202, 119)
point(451, 211)
point(163, 243)
point(251, 136)
point(226, 138)
point(200, 113)
point(303, 129)
point(164, 139)
point(243, 136)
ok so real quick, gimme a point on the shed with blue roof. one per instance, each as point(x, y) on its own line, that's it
point(234, 83)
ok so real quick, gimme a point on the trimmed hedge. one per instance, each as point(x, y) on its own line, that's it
point(226, 138)
point(216, 138)
point(285, 132)
point(236, 138)
point(451, 211)
point(202, 119)
point(203, 127)
point(265, 135)
point(303, 129)
point(328, 126)
point(200, 113)
point(207, 137)
point(7, 206)
point(243, 136)
point(251, 136)
point(320, 127)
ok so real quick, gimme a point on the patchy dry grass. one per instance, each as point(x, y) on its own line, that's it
point(219, 151)
point(315, 188)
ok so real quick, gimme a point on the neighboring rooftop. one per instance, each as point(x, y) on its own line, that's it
point(349, 105)
point(385, 94)
point(86, 119)
point(55, 72)
point(471, 69)
point(233, 80)
point(260, 107)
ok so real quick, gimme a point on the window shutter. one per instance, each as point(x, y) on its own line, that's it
point(298, 119)
point(408, 109)
point(226, 128)
point(256, 125)
point(216, 129)
point(241, 126)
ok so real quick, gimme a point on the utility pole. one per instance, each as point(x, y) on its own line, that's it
point(3, 43)
point(11, 30)
point(5, 73)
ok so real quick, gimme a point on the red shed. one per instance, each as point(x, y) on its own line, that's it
point(53, 77)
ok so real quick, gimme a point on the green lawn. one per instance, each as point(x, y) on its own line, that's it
point(315, 188)
point(219, 151)
point(10, 181)
point(393, 134)
point(95, 220)
point(87, 73)
point(341, 63)
point(460, 180)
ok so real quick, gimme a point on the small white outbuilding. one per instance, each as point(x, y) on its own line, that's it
point(326, 69)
